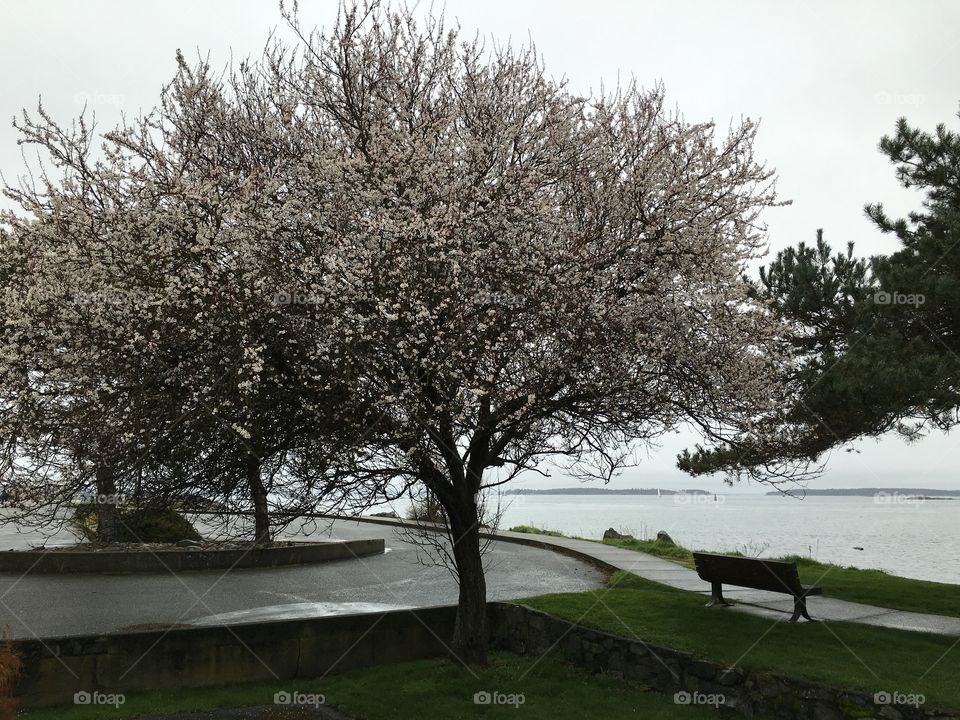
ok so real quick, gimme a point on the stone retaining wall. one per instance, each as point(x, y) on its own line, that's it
point(522, 630)
point(183, 559)
point(55, 669)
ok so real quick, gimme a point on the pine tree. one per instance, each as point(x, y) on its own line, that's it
point(875, 343)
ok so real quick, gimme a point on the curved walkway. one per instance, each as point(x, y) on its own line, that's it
point(756, 602)
point(44, 606)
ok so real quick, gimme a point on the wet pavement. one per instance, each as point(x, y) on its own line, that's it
point(54, 605)
point(518, 565)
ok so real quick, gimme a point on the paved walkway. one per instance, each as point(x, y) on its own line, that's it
point(52, 605)
point(755, 602)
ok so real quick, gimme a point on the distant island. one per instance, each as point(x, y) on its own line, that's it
point(912, 493)
point(907, 493)
point(605, 491)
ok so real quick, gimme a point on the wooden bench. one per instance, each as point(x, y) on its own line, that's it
point(773, 575)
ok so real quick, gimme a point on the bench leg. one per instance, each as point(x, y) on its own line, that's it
point(716, 595)
point(800, 608)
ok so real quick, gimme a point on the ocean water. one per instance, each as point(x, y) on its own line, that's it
point(919, 539)
point(912, 538)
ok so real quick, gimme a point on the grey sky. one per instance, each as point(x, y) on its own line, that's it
point(826, 78)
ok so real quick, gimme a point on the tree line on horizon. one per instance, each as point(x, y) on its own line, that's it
point(604, 491)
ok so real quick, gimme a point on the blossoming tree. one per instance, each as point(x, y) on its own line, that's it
point(384, 258)
point(522, 273)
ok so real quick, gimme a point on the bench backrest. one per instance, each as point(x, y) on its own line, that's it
point(775, 575)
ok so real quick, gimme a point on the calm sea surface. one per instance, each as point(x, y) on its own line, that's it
point(919, 539)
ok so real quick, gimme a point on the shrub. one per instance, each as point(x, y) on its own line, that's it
point(10, 667)
point(427, 509)
point(535, 531)
point(151, 523)
point(84, 521)
point(154, 524)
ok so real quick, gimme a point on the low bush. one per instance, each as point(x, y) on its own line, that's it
point(531, 530)
point(154, 524)
point(428, 510)
point(150, 523)
point(10, 667)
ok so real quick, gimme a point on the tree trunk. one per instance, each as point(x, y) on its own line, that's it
point(105, 504)
point(470, 636)
point(261, 515)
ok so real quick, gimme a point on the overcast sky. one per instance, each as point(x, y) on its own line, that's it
point(827, 80)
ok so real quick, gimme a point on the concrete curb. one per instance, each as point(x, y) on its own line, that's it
point(183, 559)
point(515, 538)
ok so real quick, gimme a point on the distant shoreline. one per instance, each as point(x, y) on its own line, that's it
point(908, 493)
point(904, 493)
point(605, 491)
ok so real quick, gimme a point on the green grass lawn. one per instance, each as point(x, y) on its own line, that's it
point(876, 587)
point(873, 587)
point(427, 690)
point(677, 553)
point(846, 654)
point(530, 530)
